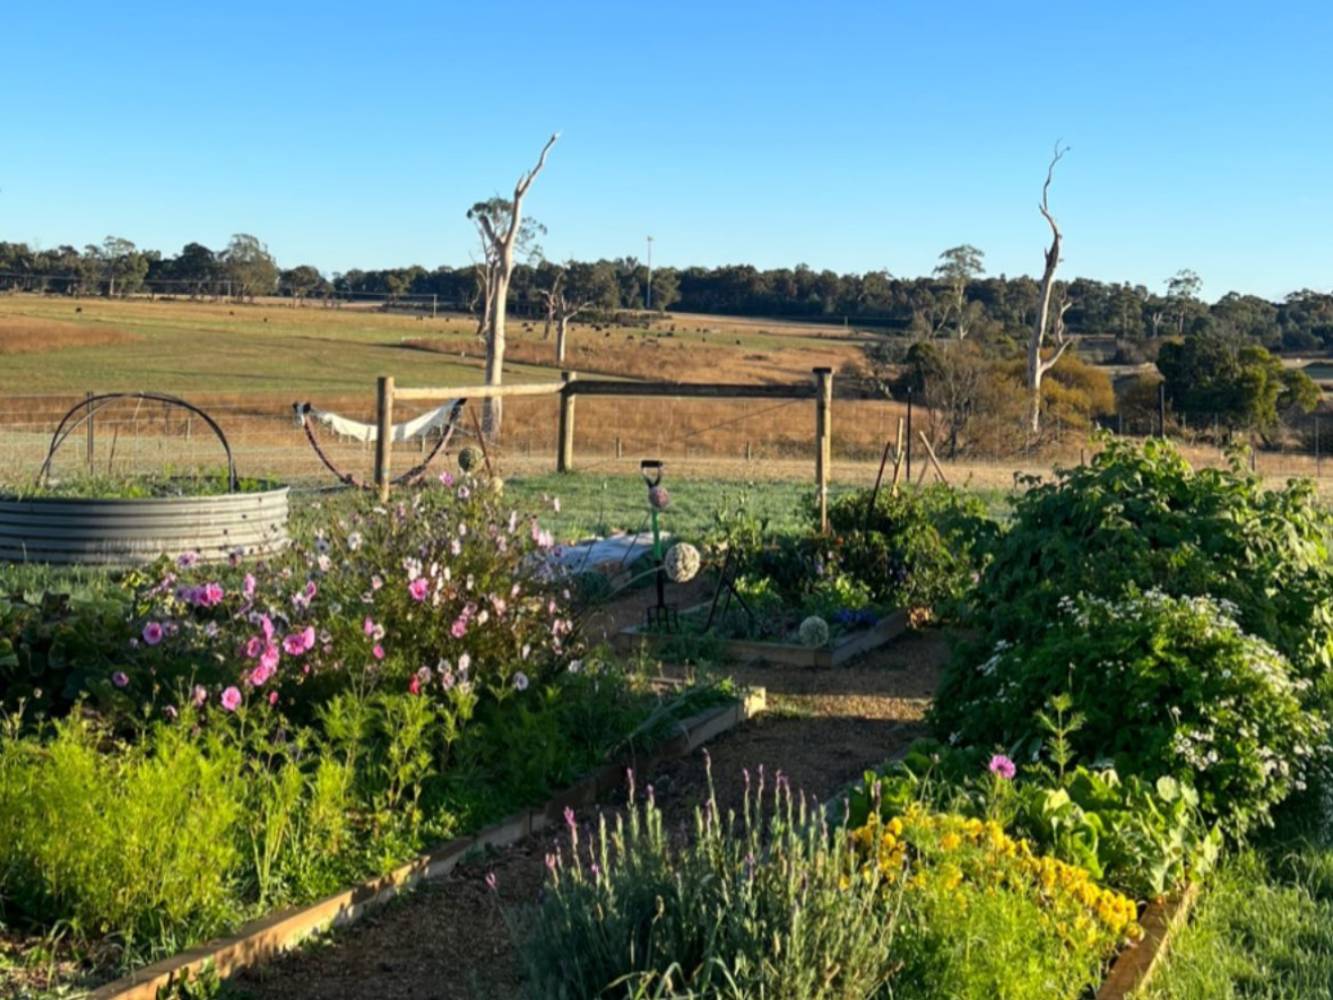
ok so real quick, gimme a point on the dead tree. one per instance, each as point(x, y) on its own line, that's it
point(499, 223)
point(1050, 315)
point(565, 299)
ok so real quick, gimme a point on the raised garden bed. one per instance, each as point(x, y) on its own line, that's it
point(840, 650)
point(129, 532)
point(263, 939)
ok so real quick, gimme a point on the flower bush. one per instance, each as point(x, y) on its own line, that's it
point(1140, 517)
point(982, 915)
point(1163, 686)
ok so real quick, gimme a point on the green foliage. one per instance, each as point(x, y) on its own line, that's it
point(917, 548)
point(1165, 686)
point(166, 484)
point(138, 843)
point(755, 905)
point(1215, 375)
point(1144, 838)
point(1140, 517)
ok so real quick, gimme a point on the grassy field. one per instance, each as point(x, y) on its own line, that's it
point(181, 346)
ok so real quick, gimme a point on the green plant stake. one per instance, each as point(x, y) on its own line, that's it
point(661, 615)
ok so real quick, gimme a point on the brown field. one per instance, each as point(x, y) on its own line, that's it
point(21, 335)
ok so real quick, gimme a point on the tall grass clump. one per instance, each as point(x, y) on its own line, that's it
point(764, 904)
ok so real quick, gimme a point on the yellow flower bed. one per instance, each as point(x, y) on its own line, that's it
point(922, 853)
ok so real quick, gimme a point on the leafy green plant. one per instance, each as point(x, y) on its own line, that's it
point(918, 548)
point(1164, 686)
point(1138, 516)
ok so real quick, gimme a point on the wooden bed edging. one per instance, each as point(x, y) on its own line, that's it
point(1135, 965)
point(263, 939)
point(783, 654)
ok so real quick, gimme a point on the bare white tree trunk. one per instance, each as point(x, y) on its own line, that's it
point(1047, 320)
point(500, 254)
point(561, 330)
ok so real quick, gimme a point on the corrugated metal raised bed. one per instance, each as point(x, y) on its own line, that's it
point(129, 531)
point(115, 532)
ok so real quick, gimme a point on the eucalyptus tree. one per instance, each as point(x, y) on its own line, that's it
point(500, 226)
point(958, 266)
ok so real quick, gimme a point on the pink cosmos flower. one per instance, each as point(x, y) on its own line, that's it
point(1002, 767)
point(273, 697)
point(270, 657)
point(414, 685)
point(231, 698)
point(266, 626)
point(254, 646)
point(187, 559)
point(248, 587)
point(259, 675)
point(152, 633)
point(199, 695)
point(459, 628)
point(299, 642)
point(377, 651)
point(120, 679)
point(418, 588)
point(368, 626)
point(376, 582)
point(446, 479)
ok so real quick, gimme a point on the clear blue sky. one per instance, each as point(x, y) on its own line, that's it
point(847, 136)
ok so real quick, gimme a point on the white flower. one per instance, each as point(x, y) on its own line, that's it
point(521, 681)
point(354, 541)
point(575, 666)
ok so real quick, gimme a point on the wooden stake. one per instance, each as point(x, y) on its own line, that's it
point(897, 459)
point(823, 439)
point(933, 460)
point(481, 440)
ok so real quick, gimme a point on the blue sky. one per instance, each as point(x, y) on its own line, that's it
point(846, 136)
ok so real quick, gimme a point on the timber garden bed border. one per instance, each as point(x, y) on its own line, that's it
point(266, 937)
point(781, 654)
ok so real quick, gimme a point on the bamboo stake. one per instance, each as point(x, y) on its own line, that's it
point(933, 460)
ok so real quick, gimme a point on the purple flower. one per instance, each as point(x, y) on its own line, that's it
point(120, 679)
point(1002, 767)
point(187, 559)
point(152, 633)
point(521, 681)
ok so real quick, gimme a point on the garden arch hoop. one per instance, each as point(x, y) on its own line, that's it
point(91, 404)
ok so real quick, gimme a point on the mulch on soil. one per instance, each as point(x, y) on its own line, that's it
point(448, 940)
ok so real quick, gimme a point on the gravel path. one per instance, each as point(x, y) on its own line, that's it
point(448, 941)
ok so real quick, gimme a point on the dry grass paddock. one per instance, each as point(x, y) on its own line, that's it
point(23, 335)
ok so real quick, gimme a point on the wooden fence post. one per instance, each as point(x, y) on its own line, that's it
point(564, 459)
point(383, 438)
point(823, 439)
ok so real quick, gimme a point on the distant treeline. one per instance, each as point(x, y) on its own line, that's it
point(938, 305)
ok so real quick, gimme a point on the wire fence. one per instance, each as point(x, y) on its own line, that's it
point(734, 439)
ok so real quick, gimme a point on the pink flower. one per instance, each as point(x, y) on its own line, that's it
point(418, 588)
point(231, 699)
point(273, 697)
point(414, 685)
point(152, 633)
point(459, 628)
point(270, 657)
point(446, 479)
point(376, 582)
point(199, 695)
point(368, 626)
point(377, 651)
point(187, 559)
point(120, 679)
point(266, 626)
point(1002, 767)
point(254, 646)
point(299, 642)
point(260, 675)
point(248, 587)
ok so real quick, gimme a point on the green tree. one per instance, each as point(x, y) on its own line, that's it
point(1215, 375)
point(958, 266)
point(249, 267)
point(298, 282)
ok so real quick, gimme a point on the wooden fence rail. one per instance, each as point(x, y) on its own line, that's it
point(570, 386)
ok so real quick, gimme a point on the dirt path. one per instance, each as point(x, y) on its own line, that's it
point(448, 940)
